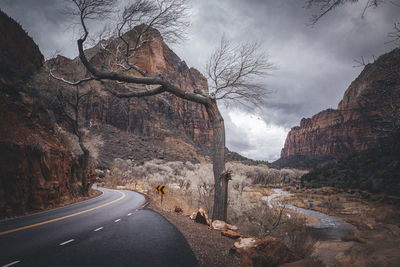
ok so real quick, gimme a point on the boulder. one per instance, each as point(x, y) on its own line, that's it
point(270, 251)
point(231, 234)
point(243, 244)
point(221, 225)
point(202, 217)
point(193, 215)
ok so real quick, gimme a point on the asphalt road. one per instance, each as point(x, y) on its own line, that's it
point(109, 230)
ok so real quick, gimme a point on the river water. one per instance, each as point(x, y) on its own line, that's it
point(331, 227)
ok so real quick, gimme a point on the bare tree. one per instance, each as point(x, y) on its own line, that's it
point(233, 71)
point(231, 80)
point(70, 102)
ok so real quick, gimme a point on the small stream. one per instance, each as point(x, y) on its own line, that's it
point(331, 227)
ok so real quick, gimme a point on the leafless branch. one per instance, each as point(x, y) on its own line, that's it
point(91, 9)
point(327, 6)
point(76, 83)
point(233, 71)
point(394, 35)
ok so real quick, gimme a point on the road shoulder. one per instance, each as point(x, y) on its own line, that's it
point(209, 246)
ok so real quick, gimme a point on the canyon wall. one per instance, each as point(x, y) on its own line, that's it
point(368, 114)
point(36, 169)
point(161, 126)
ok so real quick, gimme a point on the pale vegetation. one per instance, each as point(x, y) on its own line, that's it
point(190, 186)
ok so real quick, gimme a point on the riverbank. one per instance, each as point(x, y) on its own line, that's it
point(331, 227)
point(375, 240)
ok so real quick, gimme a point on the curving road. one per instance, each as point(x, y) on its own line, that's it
point(109, 230)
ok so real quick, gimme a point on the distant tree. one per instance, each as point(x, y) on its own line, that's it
point(232, 70)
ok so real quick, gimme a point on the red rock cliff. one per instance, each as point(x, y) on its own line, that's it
point(369, 113)
point(36, 170)
point(160, 117)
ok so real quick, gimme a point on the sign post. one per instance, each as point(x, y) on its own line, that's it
point(161, 190)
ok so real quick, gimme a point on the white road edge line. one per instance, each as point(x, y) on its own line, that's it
point(129, 214)
point(66, 242)
point(11, 263)
point(98, 229)
point(117, 220)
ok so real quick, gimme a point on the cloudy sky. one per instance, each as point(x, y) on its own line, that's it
point(315, 65)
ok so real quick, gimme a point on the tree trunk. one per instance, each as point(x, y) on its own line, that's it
point(84, 164)
point(220, 182)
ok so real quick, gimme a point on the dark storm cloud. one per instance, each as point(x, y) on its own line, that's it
point(314, 64)
point(45, 21)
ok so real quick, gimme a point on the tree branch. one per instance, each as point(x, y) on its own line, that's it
point(70, 82)
point(158, 80)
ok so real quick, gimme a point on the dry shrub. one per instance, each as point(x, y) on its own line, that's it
point(300, 237)
point(264, 175)
point(191, 182)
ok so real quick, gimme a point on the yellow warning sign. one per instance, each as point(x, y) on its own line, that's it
point(160, 189)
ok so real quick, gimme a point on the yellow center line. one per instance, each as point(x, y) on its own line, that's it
point(64, 217)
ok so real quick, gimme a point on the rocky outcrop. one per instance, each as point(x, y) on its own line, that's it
point(36, 170)
point(368, 114)
point(159, 118)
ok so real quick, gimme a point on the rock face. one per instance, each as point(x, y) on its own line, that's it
point(368, 114)
point(160, 118)
point(36, 170)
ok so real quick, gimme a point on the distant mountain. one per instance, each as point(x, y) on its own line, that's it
point(368, 115)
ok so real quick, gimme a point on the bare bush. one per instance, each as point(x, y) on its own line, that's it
point(264, 175)
point(300, 237)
